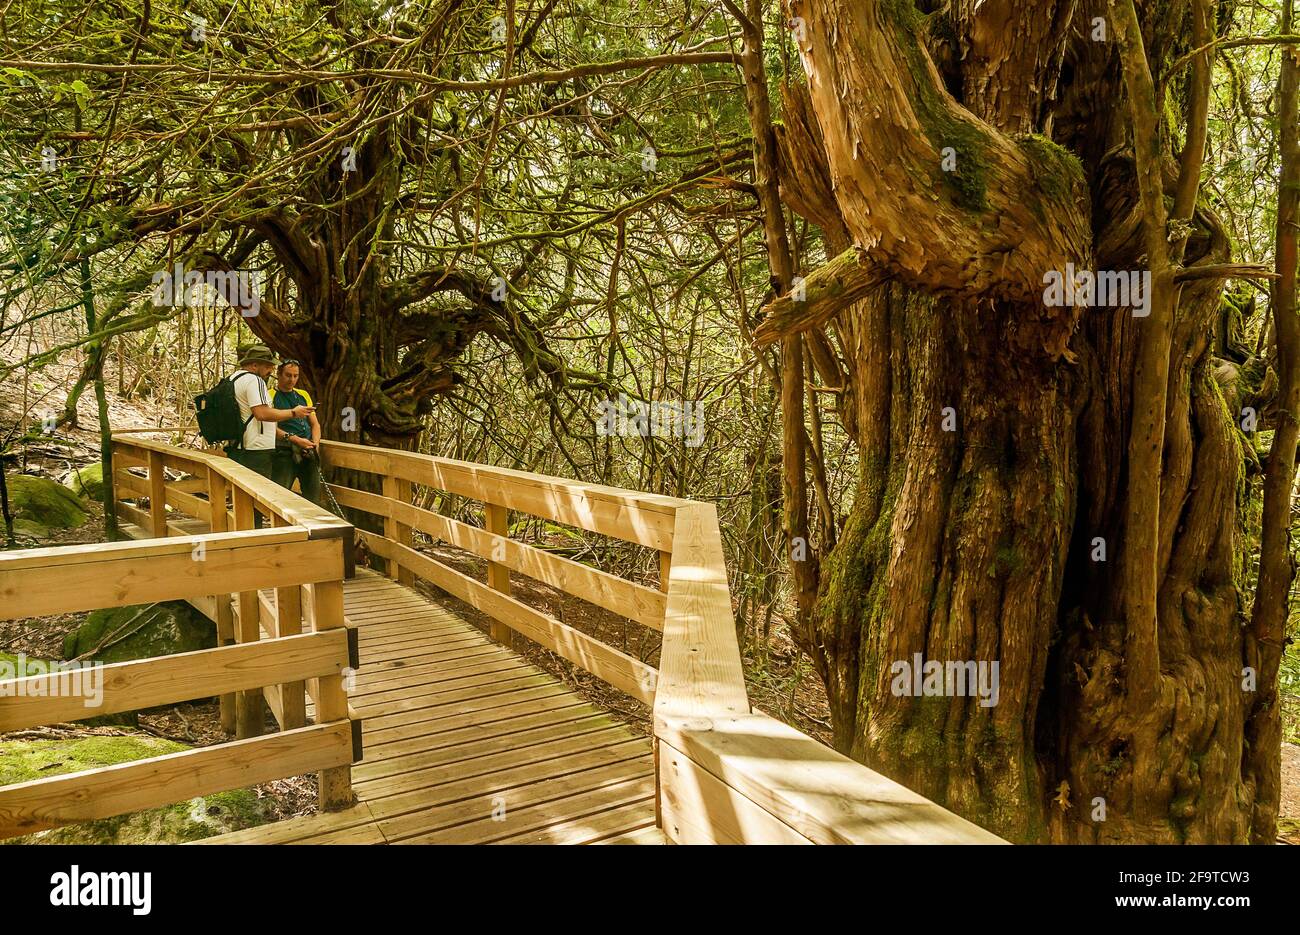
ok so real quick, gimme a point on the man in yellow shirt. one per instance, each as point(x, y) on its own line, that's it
point(296, 440)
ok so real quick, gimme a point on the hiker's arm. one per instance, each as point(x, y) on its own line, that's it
point(264, 413)
point(315, 428)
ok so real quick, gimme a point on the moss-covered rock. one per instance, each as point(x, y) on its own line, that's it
point(14, 666)
point(24, 760)
point(87, 481)
point(42, 504)
point(140, 632)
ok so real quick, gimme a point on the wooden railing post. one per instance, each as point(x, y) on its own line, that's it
point(288, 622)
point(157, 496)
point(218, 490)
point(400, 490)
point(665, 570)
point(496, 520)
point(250, 705)
point(335, 784)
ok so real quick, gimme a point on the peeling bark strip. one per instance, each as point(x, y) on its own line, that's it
point(823, 294)
point(1011, 208)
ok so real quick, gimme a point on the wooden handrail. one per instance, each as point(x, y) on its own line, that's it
point(270, 496)
point(39, 582)
point(641, 518)
point(729, 775)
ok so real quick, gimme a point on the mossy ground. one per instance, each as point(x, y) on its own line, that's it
point(26, 760)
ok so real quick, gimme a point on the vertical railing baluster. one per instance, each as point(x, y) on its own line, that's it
point(250, 705)
point(497, 520)
point(335, 784)
point(288, 622)
point(398, 490)
point(157, 496)
point(218, 491)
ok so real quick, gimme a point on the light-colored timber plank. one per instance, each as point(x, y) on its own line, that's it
point(396, 629)
point(385, 652)
point(473, 687)
point(618, 785)
point(527, 702)
point(500, 706)
point(648, 835)
point(826, 796)
point(425, 662)
point(409, 812)
point(293, 830)
point(698, 808)
point(231, 562)
point(418, 653)
point(460, 801)
point(419, 681)
point(700, 674)
point(625, 514)
point(460, 644)
point(444, 750)
point(409, 638)
point(360, 834)
point(619, 595)
point(600, 659)
point(478, 731)
point(446, 704)
point(173, 777)
point(370, 668)
point(591, 828)
point(147, 683)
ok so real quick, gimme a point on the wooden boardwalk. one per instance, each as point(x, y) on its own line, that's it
point(467, 743)
point(463, 740)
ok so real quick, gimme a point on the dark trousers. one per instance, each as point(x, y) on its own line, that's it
point(259, 461)
point(306, 471)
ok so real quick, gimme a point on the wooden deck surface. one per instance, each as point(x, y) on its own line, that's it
point(466, 743)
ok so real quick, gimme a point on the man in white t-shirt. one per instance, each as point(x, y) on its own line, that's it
point(256, 363)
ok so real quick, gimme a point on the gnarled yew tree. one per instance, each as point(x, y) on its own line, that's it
point(1122, 679)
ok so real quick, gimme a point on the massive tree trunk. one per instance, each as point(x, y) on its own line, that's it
point(992, 515)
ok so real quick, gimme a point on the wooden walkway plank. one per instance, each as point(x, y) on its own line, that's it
point(526, 701)
point(619, 785)
point(429, 720)
point(422, 770)
point(590, 830)
point(540, 772)
point(493, 728)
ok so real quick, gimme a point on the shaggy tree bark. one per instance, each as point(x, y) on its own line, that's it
point(1014, 504)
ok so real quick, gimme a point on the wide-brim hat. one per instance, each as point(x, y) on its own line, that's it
point(255, 353)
